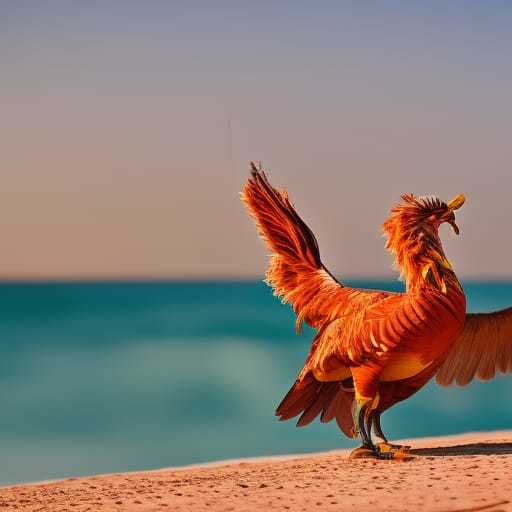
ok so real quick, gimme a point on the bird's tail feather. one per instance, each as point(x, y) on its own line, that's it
point(310, 397)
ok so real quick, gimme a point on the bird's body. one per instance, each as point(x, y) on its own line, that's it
point(372, 348)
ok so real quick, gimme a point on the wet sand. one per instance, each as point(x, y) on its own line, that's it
point(470, 472)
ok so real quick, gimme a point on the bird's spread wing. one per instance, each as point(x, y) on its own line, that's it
point(372, 327)
point(483, 347)
point(295, 270)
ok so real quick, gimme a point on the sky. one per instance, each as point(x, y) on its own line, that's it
point(126, 129)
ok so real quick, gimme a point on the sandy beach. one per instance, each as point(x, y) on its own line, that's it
point(469, 472)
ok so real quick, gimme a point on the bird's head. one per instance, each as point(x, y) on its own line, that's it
point(412, 230)
point(422, 215)
point(432, 212)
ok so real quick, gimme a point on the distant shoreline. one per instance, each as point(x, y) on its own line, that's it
point(109, 279)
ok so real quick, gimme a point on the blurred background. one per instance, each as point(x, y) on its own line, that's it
point(135, 331)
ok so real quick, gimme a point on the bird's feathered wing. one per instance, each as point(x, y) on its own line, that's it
point(483, 348)
point(295, 270)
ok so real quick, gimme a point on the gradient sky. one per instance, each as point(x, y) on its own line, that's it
point(117, 158)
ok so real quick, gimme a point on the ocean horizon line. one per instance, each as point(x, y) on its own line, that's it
point(212, 280)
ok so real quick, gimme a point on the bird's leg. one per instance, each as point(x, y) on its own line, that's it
point(376, 428)
point(380, 440)
point(365, 434)
point(364, 417)
point(360, 413)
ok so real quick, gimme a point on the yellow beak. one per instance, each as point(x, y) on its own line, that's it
point(456, 202)
point(454, 226)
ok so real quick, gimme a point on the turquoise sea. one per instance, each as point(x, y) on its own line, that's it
point(103, 377)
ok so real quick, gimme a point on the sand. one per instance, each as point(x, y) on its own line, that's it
point(471, 472)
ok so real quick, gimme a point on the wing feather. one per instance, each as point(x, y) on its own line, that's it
point(483, 348)
point(295, 270)
point(362, 334)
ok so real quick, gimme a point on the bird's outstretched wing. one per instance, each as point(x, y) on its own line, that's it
point(483, 348)
point(295, 270)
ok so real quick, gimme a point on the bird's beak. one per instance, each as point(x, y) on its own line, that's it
point(455, 204)
point(454, 226)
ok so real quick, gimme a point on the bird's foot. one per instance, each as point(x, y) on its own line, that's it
point(383, 451)
point(405, 447)
point(362, 452)
point(389, 451)
point(385, 442)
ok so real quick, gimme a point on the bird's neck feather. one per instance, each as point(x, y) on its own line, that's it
point(420, 257)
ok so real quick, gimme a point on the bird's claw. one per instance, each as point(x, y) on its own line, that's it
point(389, 451)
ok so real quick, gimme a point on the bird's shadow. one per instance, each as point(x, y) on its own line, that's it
point(465, 449)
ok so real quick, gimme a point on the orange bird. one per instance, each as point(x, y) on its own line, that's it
point(372, 348)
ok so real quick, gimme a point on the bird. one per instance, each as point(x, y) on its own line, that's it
point(371, 348)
